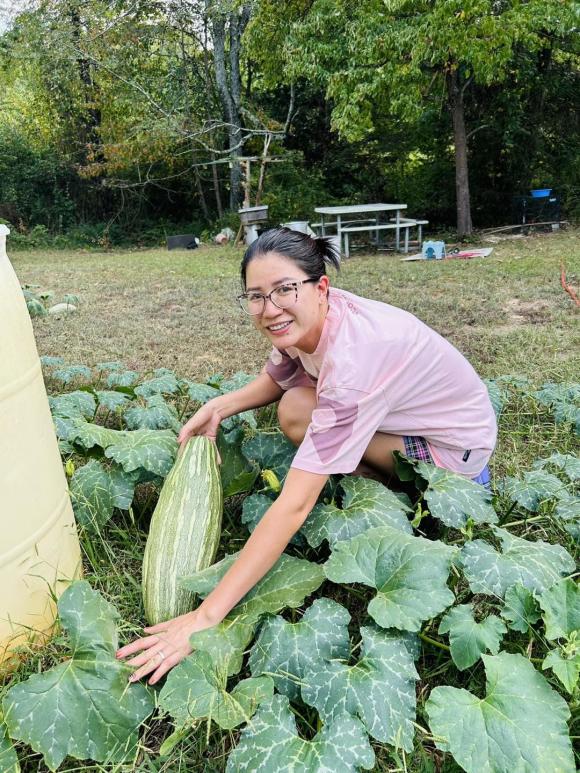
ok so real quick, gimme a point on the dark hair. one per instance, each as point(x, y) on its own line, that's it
point(312, 254)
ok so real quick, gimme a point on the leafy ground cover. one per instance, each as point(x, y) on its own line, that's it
point(431, 628)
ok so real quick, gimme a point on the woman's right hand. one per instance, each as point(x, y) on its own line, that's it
point(206, 422)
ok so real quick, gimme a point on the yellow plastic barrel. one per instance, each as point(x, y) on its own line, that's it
point(39, 548)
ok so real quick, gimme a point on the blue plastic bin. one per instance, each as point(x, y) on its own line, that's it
point(540, 193)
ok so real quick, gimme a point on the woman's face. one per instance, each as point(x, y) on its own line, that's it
point(299, 325)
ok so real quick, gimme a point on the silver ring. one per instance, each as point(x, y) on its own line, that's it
point(161, 654)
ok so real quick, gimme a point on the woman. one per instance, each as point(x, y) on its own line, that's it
point(356, 379)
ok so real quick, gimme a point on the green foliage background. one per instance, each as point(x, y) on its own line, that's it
point(111, 111)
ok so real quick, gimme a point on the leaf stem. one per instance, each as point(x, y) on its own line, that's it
point(434, 642)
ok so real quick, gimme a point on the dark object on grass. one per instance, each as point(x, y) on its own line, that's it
point(182, 242)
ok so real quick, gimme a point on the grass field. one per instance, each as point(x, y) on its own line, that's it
point(507, 313)
point(150, 309)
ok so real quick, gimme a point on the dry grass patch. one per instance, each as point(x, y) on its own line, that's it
point(153, 308)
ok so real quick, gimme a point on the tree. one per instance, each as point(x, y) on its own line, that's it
point(399, 55)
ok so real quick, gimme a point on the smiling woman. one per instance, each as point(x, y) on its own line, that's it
point(356, 380)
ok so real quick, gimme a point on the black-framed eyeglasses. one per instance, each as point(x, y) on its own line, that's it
point(283, 296)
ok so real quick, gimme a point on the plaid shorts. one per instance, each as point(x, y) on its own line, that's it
point(416, 448)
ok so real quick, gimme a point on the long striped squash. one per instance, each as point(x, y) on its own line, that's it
point(185, 530)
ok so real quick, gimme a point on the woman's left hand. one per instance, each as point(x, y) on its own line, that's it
point(167, 645)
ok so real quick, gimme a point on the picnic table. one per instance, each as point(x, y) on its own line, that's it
point(370, 224)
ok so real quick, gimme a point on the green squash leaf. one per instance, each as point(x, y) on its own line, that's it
point(72, 372)
point(536, 487)
point(366, 504)
point(112, 400)
point(122, 378)
point(199, 393)
point(95, 492)
point(36, 308)
point(468, 639)
point(379, 689)
point(73, 405)
point(8, 757)
point(51, 362)
point(410, 574)
point(196, 689)
point(164, 384)
point(153, 450)
point(270, 744)
point(286, 651)
point(287, 584)
point(227, 641)
point(156, 414)
point(521, 724)
point(270, 451)
point(521, 609)
point(109, 366)
point(498, 395)
point(569, 464)
point(566, 667)
point(561, 609)
point(83, 707)
point(237, 474)
point(569, 513)
point(453, 499)
point(535, 565)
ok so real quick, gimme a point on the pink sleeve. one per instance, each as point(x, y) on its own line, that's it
point(286, 371)
point(341, 429)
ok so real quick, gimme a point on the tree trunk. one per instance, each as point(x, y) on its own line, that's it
point(230, 92)
point(456, 106)
point(216, 188)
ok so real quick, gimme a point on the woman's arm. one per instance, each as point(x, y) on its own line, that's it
point(263, 390)
point(169, 642)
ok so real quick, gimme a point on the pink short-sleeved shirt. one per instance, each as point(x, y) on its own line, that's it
point(379, 368)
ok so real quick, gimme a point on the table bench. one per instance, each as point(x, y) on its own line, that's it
point(405, 225)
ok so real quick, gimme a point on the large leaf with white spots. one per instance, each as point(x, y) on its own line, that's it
point(113, 400)
point(469, 639)
point(537, 486)
point(155, 414)
point(535, 565)
point(568, 512)
point(379, 689)
point(153, 450)
point(453, 499)
point(498, 395)
point(122, 378)
point(287, 651)
point(271, 744)
point(8, 757)
point(270, 451)
point(73, 405)
point(227, 641)
point(165, 383)
point(95, 492)
point(287, 584)
point(569, 464)
point(519, 726)
point(84, 707)
point(197, 689)
point(366, 504)
point(520, 609)
point(561, 609)
point(199, 393)
point(409, 573)
point(71, 373)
